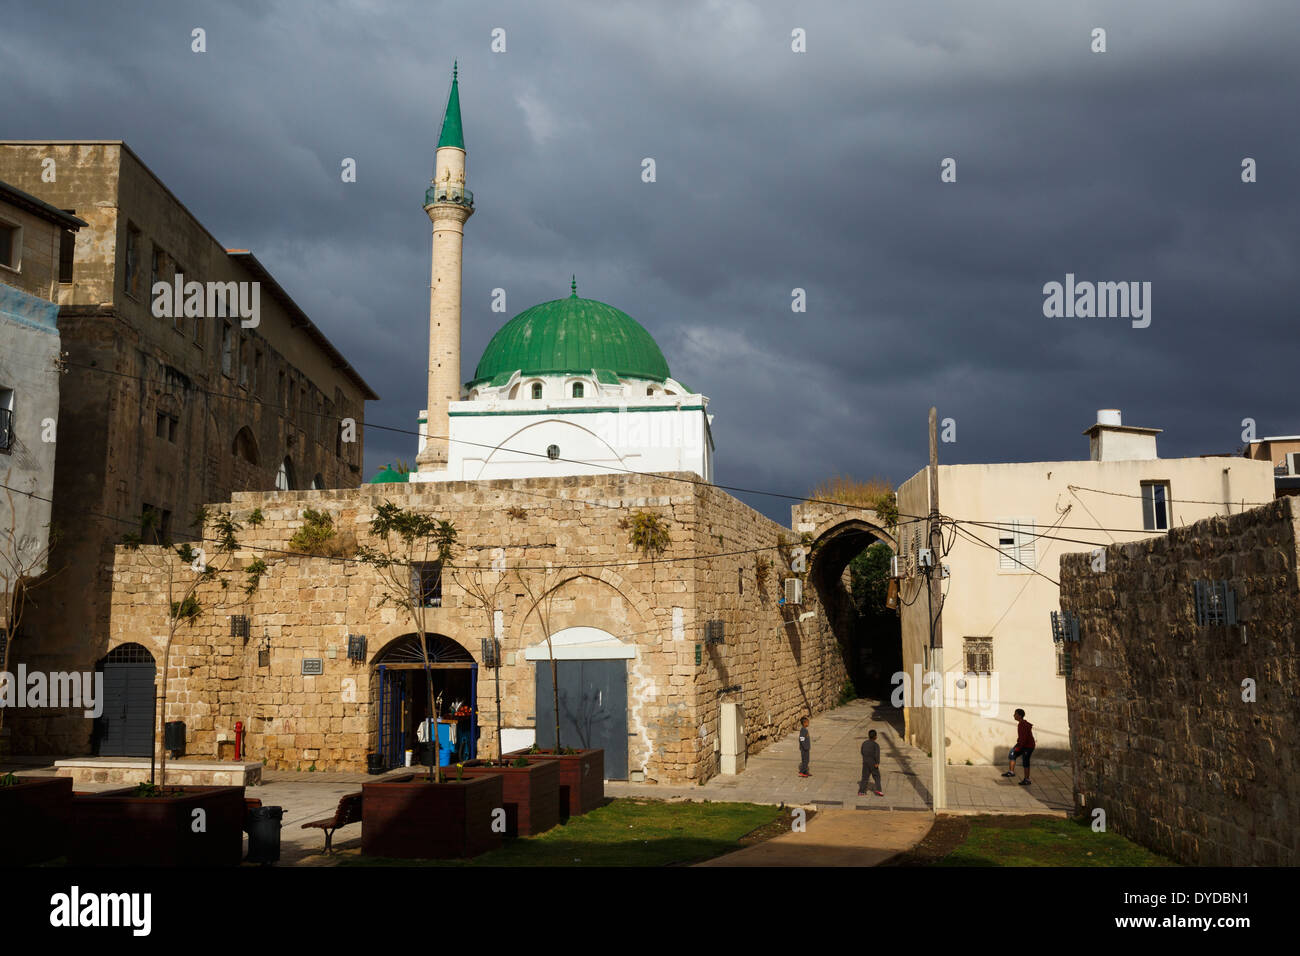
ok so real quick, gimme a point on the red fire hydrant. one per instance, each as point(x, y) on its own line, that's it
point(239, 740)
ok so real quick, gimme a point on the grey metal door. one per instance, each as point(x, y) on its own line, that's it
point(125, 728)
point(593, 709)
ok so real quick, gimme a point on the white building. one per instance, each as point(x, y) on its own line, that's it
point(1016, 519)
point(36, 244)
point(568, 387)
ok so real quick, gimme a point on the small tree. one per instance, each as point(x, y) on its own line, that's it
point(484, 588)
point(404, 539)
point(541, 585)
point(185, 570)
point(22, 569)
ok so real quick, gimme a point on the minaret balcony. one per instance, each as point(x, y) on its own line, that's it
point(448, 192)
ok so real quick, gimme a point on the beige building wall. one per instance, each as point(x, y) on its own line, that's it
point(1096, 503)
point(778, 663)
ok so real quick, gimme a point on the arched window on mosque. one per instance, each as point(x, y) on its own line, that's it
point(577, 390)
point(284, 477)
point(537, 389)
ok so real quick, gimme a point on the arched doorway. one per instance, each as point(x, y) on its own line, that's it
point(125, 728)
point(591, 674)
point(404, 707)
point(849, 570)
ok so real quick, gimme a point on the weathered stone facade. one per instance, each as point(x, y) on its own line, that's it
point(1161, 737)
point(160, 412)
point(779, 663)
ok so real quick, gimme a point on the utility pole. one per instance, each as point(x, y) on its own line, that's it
point(934, 602)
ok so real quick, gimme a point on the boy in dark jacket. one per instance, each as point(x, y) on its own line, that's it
point(870, 765)
point(805, 747)
point(1024, 748)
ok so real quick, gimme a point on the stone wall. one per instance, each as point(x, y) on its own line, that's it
point(778, 666)
point(1162, 739)
point(129, 374)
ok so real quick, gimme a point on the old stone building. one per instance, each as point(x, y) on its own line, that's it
point(162, 409)
point(1182, 690)
point(672, 637)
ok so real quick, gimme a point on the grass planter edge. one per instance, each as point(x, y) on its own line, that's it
point(430, 821)
point(530, 795)
point(582, 779)
point(117, 828)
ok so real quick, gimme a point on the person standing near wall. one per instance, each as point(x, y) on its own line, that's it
point(805, 747)
point(1024, 747)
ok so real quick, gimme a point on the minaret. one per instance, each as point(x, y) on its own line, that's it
point(448, 204)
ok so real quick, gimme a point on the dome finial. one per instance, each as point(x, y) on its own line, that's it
point(573, 287)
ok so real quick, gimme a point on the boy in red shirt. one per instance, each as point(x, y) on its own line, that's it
point(1024, 748)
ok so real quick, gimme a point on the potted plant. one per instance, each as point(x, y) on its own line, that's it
point(425, 819)
point(148, 825)
point(582, 776)
point(530, 789)
point(33, 817)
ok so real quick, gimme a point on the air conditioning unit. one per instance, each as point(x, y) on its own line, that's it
point(793, 591)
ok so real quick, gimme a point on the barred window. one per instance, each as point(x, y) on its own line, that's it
point(978, 654)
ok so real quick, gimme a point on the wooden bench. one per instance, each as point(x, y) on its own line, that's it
point(348, 811)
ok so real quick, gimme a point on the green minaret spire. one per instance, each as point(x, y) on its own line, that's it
point(573, 287)
point(452, 135)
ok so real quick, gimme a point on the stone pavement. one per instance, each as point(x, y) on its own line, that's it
point(836, 838)
point(770, 775)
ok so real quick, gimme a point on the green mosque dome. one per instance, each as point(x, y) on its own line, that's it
point(571, 336)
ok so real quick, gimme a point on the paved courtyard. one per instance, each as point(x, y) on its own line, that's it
point(770, 776)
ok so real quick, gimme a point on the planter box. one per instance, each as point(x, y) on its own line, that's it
point(531, 794)
point(34, 819)
point(431, 821)
point(118, 829)
point(582, 779)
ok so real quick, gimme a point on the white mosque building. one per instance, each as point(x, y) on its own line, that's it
point(568, 387)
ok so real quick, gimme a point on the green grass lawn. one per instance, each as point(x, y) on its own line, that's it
point(624, 832)
point(1045, 841)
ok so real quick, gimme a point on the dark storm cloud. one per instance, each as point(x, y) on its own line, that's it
point(775, 171)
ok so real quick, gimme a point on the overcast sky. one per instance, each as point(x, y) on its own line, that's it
point(776, 170)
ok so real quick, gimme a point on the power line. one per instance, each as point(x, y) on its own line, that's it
point(1172, 500)
point(519, 451)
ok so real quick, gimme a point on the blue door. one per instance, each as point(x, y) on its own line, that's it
point(593, 709)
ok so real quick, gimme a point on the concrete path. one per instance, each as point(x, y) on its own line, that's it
point(770, 775)
point(836, 838)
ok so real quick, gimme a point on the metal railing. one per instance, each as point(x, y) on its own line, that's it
point(448, 192)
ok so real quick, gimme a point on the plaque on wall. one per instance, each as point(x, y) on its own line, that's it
point(313, 665)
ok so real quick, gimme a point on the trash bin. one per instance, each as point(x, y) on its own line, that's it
point(264, 834)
